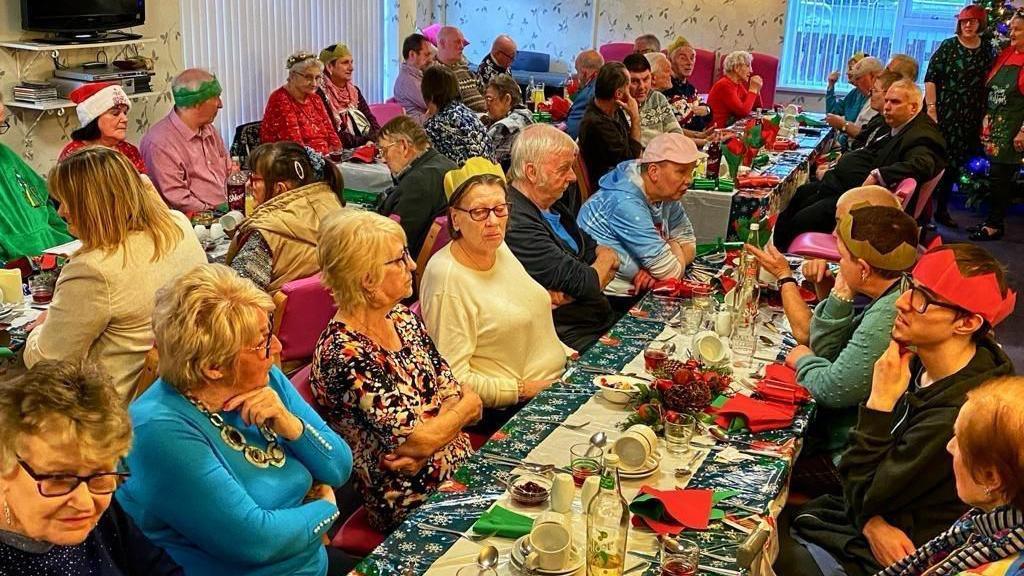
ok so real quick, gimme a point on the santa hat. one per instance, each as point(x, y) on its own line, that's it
point(95, 99)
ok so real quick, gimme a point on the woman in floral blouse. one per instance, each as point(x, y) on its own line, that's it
point(295, 112)
point(453, 128)
point(377, 377)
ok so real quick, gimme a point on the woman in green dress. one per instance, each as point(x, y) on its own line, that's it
point(954, 89)
point(28, 223)
point(1002, 130)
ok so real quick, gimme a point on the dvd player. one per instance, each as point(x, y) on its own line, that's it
point(100, 74)
point(138, 85)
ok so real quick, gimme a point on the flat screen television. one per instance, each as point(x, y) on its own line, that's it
point(81, 19)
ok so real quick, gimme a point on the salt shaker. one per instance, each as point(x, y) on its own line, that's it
point(563, 490)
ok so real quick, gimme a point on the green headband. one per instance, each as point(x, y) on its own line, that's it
point(185, 98)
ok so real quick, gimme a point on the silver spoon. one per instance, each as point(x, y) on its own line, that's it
point(598, 440)
point(487, 559)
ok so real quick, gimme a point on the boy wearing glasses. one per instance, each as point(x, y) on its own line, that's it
point(899, 490)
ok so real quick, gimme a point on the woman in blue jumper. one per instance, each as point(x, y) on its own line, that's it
point(231, 469)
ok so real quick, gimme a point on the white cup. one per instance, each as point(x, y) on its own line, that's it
point(709, 347)
point(231, 220)
point(635, 446)
point(563, 490)
point(217, 231)
point(551, 541)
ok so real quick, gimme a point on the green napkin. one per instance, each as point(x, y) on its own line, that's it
point(810, 121)
point(503, 522)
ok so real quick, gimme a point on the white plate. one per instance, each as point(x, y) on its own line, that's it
point(648, 468)
point(606, 382)
point(575, 559)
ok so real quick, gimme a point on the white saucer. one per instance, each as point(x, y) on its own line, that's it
point(576, 559)
point(644, 471)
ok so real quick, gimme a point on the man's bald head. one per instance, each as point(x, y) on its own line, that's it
point(587, 64)
point(865, 196)
point(504, 50)
point(450, 44)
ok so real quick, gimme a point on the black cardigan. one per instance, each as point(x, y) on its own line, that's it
point(418, 196)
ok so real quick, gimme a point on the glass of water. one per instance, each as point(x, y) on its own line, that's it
point(679, 433)
point(743, 342)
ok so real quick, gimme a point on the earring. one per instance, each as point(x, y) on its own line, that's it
point(863, 275)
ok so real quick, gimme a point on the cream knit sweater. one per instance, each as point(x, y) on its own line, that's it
point(494, 328)
point(103, 305)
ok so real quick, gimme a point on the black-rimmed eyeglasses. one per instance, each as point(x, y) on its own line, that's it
point(53, 485)
point(921, 299)
point(481, 214)
point(5, 126)
point(404, 259)
point(265, 346)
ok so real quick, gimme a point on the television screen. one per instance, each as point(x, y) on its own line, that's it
point(64, 16)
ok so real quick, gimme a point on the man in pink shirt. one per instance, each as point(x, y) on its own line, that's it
point(185, 156)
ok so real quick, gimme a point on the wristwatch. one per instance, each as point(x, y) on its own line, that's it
point(787, 280)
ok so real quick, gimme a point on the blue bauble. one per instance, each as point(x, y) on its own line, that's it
point(977, 166)
point(1003, 28)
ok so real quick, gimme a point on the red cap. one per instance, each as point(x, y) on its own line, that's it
point(972, 11)
point(83, 93)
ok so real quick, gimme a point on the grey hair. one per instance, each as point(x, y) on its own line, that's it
point(535, 142)
point(911, 87)
point(736, 58)
point(302, 60)
point(657, 59)
point(867, 65)
point(506, 86)
point(650, 40)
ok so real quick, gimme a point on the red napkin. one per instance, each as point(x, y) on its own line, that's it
point(783, 144)
point(365, 153)
point(559, 108)
point(684, 509)
point(675, 288)
point(759, 414)
point(779, 385)
point(757, 181)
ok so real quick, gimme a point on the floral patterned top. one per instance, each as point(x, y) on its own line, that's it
point(375, 398)
point(456, 132)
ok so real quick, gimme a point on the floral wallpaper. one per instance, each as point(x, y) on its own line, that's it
point(563, 28)
point(40, 142)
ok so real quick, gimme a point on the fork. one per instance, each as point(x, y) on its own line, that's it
point(557, 423)
point(468, 536)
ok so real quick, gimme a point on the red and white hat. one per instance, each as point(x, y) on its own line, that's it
point(95, 99)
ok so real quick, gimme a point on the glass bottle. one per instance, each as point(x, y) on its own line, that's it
point(530, 88)
point(714, 160)
point(753, 239)
point(236, 185)
point(607, 524)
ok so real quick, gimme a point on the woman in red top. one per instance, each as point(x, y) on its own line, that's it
point(295, 112)
point(736, 92)
point(103, 113)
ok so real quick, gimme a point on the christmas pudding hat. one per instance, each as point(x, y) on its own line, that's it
point(938, 271)
point(95, 99)
point(899, 258)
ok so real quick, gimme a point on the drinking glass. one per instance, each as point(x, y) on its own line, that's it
point(584, 461)
point(679, 433)
point(743, 341)
point(476, 570)
point(679, 557)
point(702, 297)
point(41, 286)
point(656, 354)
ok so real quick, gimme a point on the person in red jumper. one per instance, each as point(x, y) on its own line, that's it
point(734, 94)
point(294, 111)
point(103, 114)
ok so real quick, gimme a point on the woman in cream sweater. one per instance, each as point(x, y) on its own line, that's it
point(132, 244)
point(487, 316)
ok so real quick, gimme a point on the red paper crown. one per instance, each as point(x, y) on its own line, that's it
point(938, 272)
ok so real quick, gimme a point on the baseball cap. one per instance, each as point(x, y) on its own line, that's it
point(673, 148)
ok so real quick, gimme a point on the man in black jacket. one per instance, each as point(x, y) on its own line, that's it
point(607, 137)
point(899, 490)
point(418, 194)
point(913, 148)
point(543, 235)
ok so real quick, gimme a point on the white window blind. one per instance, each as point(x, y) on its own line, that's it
point(246, 43)
point(821, 35)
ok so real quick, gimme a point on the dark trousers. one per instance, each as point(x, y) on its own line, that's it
point(794, 559)
point(1001, 186)
point(812, 209)
point(945, 189)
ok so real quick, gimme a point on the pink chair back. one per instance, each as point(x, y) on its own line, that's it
point(416, 309)
point(615, 51)
point(767, 67)
point(303, 314)
point(923, 206)
point(703, 71)
point(386, 111)
point(815, 245)
point(437, 238)
point(904, 191)
point(301, 382)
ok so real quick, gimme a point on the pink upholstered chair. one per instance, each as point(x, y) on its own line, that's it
point(437, 238)
point(815, 245)
point(356, 536)
point(703, 71)
point(304, 307)
point(386, 111)
point(615, 51)
point(767, 67)
point(301, 382)
point(923, 205)
point(904, 191)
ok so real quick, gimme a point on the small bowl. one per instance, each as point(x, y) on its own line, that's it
point(618, 389)
point(530, 489)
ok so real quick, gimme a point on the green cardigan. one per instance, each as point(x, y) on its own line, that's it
point(838, 374)
point(28, 222)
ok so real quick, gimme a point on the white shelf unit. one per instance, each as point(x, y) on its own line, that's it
point(32, 51)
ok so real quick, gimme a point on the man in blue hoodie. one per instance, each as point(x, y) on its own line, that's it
point(637, 213)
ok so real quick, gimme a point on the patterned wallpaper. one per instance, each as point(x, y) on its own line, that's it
point(563, 28)
point(41, 146)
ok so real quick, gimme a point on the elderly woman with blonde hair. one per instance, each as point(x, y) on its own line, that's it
point(132, 244)
point(377, 376)
point(296, 112)
point(734, 95)
point(231, 470)
point(63, 431)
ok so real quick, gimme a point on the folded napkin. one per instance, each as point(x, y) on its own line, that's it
point(779, 385)
point(559, 108)
point(672, 511)
point(763, 181)
point(675, 288)
point(366, 153)
point(503, 522)
point(806, 120)
point(783, 144)
point(759, 414)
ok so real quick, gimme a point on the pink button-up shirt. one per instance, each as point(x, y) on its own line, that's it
point(190, 169)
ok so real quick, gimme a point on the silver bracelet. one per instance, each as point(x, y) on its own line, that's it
point(840, 298)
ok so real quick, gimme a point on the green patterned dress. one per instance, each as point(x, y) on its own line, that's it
point(959, 75)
